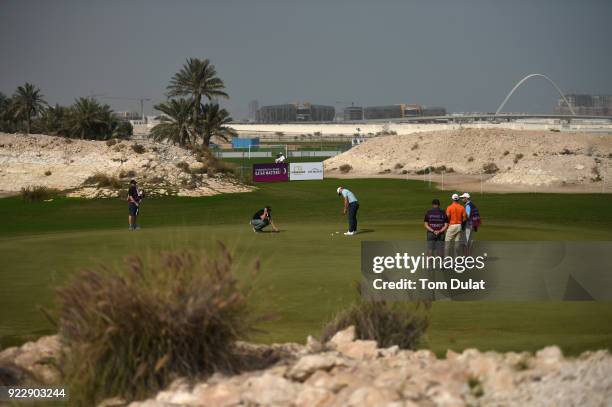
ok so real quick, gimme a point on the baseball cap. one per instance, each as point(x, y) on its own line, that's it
point(465, 195)
point(455, 197)
point(338, 190)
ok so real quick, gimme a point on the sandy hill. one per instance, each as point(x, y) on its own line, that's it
point(504, 159)
point(67, 164)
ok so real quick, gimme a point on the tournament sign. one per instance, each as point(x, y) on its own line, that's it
point(270, 172)
point(306, 171)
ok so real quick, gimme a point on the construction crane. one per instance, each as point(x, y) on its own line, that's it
point(141, 100)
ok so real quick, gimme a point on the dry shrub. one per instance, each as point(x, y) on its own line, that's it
point(388, 323)
point(212, 165)
point(470, 159)
point(131, 330)
point(518, 157)
point(345, 168)
point(138, 148)
point(104, 181)
point(399, 166)
point(37, 193)
point(414, 146)
point(596, 174)
point(48, 172)
point(183, 166)
point(490, 168)
point(435, 170)
point(111, 142)
point(127, 174)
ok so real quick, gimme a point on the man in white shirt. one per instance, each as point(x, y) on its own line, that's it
point(351, 206)
point(280, 158)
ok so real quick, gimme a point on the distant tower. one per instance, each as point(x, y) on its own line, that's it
point(253, 108)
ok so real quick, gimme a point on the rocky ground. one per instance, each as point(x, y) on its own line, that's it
point(66, 164)
point(349, 372)
point(505, 160)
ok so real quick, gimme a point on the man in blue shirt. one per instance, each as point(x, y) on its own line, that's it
point(472, 223)
point(351, 205)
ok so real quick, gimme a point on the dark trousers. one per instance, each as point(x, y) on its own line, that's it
point(352, 216)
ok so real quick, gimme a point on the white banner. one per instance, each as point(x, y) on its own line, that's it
point(305, 171)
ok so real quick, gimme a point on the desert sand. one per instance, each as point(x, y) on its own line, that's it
point(495, 160)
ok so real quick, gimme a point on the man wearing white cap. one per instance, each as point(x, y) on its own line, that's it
point(456, 216)
point(472, 223)
point(351, 206)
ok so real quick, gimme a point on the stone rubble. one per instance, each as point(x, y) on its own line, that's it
point(345, 372)
point(335, 374)
point(65, 164)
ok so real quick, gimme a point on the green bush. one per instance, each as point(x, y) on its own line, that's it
point(131, 330)
point(37, 193)
point(388, 323)
point(104, 181)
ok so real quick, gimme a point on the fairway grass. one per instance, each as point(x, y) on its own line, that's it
point(308, 271)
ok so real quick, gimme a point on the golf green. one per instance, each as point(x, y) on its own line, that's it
point(308, 270)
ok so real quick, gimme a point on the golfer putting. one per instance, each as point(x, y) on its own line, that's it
point(351, 206)
point(261, 219)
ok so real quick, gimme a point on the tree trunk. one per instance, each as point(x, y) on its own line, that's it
point(196, 115)
point(28, 123)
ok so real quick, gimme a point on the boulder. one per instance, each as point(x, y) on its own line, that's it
point(309, 364)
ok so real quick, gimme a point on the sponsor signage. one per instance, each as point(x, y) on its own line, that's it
point(270, 172)
point(305, 171)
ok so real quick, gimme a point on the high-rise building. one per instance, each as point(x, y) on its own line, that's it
point(253, 108)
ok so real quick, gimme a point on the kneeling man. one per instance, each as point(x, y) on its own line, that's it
point(261, 219)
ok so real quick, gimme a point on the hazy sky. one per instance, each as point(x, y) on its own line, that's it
point(464, 55)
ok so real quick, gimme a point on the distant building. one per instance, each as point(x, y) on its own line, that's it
point(127, 116)
point(391, 111)
point(587, 105)
point(253, 108)
point(277, 113)
point(295, 112)
point(433, 111)
point(353, 113)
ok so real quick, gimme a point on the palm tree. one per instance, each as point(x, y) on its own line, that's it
point(27, 103)
point(90, 119)
point(53, 120)
point(6, 122)
point(214, 123)
point(197, 78)
point(177, 123)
